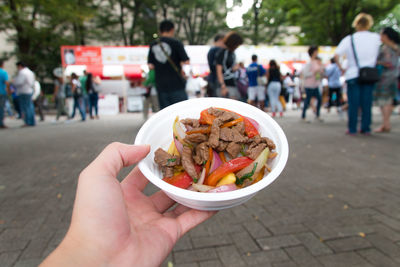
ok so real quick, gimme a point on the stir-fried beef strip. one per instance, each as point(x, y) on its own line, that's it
point(164, 159)
point(213, 140)
point(233, 149)
point(201, 154)
point(239, 127)
point(190, 123)
point(258, 140)
point(187, 162)
point(167, 171)
point(196, 138)
point(255, 150)
point(222, 146)
point(223, 115)
point(231, 135)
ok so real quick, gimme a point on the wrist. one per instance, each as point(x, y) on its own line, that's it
point(73, 253)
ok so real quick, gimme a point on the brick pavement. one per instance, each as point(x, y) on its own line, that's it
point(337, 203)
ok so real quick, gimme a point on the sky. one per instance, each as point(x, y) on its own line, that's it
point(234, 17)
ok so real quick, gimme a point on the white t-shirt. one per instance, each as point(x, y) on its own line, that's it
point(366, 45)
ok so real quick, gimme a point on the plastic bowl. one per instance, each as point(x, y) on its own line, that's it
point(157, 132)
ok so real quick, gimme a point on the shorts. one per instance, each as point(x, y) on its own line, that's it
point(256, 91)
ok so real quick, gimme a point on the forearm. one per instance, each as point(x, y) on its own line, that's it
point(219, 75)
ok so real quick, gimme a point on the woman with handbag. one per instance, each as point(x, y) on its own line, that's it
point(361, 50)
point(388, 64)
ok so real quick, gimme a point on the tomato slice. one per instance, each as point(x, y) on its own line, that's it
point(233, 165)
point(182, 180)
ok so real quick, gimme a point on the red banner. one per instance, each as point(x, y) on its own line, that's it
point(80, 55)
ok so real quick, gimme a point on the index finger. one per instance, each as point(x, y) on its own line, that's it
point(116, 156)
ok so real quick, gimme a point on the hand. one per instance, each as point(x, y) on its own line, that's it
point(224, 90)
point(114, 223)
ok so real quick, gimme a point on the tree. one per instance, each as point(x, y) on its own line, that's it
point(266, 22)
point(39, 27)
point(328, 22)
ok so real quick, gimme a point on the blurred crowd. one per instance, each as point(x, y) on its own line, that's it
point(364, 71)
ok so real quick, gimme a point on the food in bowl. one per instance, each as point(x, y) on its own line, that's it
point(219, 152)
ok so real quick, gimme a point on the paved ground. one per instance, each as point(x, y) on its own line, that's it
point(337, 203)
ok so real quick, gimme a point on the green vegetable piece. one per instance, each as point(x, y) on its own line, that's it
point(240, 181)
point(195, 180)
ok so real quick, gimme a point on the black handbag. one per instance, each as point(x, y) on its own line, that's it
point(366, 75)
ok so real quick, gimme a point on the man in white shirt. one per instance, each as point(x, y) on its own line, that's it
point(24, 82)
point(366, 45)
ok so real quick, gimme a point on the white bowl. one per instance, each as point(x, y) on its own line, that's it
point(157, 132)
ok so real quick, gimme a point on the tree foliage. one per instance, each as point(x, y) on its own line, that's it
point(328, 22)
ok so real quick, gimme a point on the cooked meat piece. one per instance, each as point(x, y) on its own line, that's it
point(201, 153)
point(213, 140)
point(167, 171)
point(239, 127)
point(162, 158)
point(231, 135)
point(223, 115)
point(255, 150)
point(196, 138)
point(269, 142)
point(201, 127)
point(187, 162)
point(233, 149)
point(192, 123)
point(222, 146)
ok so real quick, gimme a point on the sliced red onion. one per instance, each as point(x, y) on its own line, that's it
point(216, 162)
point(178, 145)
point(202, 187)
point(255, 123)
point(223, 188)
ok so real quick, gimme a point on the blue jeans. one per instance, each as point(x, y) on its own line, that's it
point(359, 98)
point(274, 91)
point(310, 93)
point(93, 100)
point(27, 109)
point(169, 98)
point(80, 104)
point(3, 99)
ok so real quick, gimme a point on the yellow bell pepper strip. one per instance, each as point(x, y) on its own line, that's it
point(230, 178)
point(233, 165)
point(182, 180)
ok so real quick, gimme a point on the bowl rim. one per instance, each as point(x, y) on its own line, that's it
point(224, 196)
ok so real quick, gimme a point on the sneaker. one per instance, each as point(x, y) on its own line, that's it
point(350, 134)
point(319, 119)
point(304, 120)
point(365, 133)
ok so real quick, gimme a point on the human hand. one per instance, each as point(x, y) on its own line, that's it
point(114, 223)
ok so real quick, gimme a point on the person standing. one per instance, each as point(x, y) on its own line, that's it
point(386, 88)
point(333, 73)
point(256, 90)
point(274, 88)
point(150, 97)
point(78, 99)
point(242, 82)
point(226, 66)
point(24, 83)
point(59, 96)
point(85, 95)
point(92, 87)
point(166, 56)
point(38, 99)
point(366, 47)
point(311, 78)
point(212, 78)
point(4, 89)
